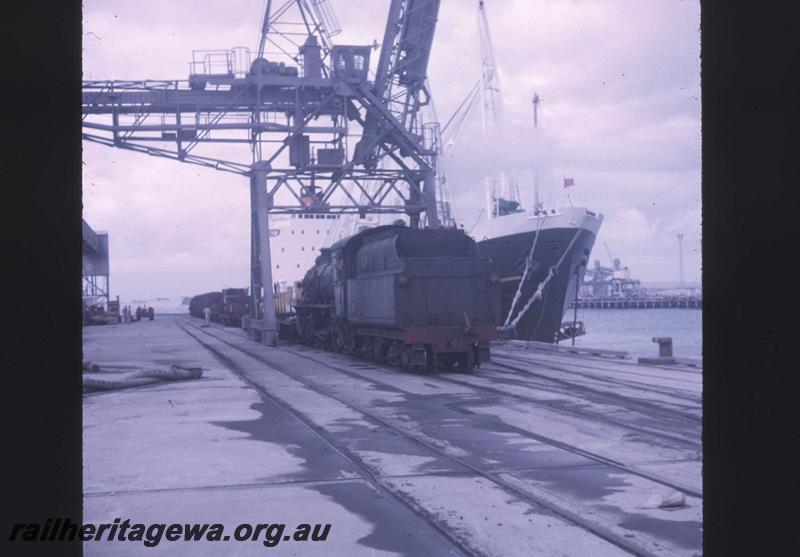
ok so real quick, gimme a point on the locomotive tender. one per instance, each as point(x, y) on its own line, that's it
point(416, 298)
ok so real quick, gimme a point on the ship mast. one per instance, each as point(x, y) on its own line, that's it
point(499, 187)
point(537, 205)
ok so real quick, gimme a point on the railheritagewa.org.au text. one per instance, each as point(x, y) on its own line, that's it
point(151, 535)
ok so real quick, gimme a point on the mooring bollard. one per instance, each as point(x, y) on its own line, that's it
point(664, 346)
point(664, 352)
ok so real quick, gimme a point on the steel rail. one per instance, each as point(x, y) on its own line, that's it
point(509, 486)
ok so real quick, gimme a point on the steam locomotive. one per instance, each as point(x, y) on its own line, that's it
point(227, 307)
point(417, 299)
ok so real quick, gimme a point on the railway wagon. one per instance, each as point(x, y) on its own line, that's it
point(227, 307)
point(212, 300)
point(417, 299)
point(235, 305)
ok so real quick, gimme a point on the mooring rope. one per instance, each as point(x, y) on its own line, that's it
point(550, 274)
point(476, 222)
point(528, 265)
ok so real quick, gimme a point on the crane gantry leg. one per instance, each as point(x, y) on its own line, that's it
point(263, 322)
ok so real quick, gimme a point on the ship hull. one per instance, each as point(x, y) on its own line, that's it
point(567, 249)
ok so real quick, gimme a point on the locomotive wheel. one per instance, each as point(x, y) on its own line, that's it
point(379, 351)
point(358, 343)
point(444, 361)
point(345, 340)
point(434, 360)
point(334, 342)
point(405, 359)
point(367, 347)
point(469, 361)
point(332, 339)
point(394, 356)
point(325, 343)
point(347, 346)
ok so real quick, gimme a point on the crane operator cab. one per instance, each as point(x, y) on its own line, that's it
point(350, 63)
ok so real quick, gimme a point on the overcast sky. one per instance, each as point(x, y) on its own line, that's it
point(620, 113)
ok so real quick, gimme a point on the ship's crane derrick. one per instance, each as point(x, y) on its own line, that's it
point(493, 120)
point(294, 106)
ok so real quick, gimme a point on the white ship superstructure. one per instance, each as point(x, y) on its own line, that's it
point(295, 241)
point(532, 221)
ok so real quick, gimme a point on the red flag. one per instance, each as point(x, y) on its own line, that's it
point(569, 182)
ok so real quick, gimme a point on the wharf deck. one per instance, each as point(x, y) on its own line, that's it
point(535, 453)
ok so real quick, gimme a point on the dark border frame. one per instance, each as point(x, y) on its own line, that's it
point(750, 114)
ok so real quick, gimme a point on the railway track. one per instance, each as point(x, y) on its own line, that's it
point(346, 369)
point(593, 416)
point(605, 365)
point(514, 487)
point(606, 378)
point(362, 372)
point(513, 376)
point(501, 372)
point(417, 438)
point(570, 387)
point(543, 439)
point(652, 411)
point(363, 471)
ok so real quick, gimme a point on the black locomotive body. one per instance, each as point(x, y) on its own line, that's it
point(414, 298)
point(227, 307)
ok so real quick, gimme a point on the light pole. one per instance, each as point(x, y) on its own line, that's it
point(680, 261)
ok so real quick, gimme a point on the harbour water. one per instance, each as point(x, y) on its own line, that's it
point(633, 330)
point(613, 329)
point(161, 305)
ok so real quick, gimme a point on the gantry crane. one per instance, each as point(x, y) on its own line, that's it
point(296, 107)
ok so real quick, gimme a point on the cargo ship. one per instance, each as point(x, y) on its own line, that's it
point(561, 240)
point(540, 257)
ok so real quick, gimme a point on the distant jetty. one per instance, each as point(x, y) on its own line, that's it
point(694, 301)
point(614, 288)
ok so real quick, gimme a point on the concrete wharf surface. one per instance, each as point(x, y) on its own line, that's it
point(535, 453)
